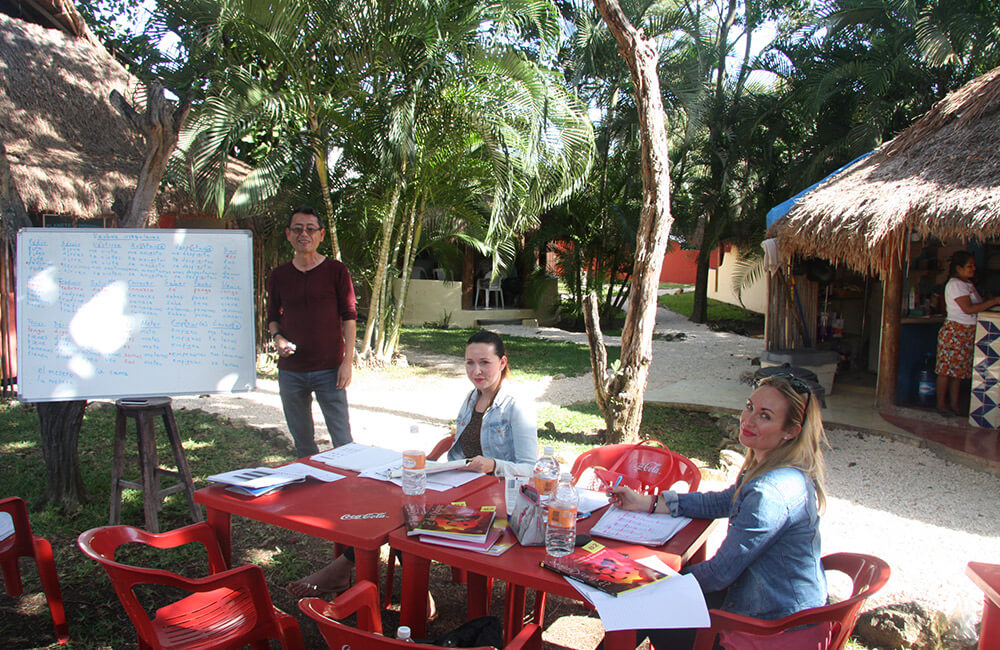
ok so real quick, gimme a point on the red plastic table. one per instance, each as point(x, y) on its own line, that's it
point(987, 578)
point(519, 568)
point(352, 511)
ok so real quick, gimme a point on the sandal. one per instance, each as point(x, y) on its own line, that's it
point(302, 589)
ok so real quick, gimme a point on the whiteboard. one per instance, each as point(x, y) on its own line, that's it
point(109, 313)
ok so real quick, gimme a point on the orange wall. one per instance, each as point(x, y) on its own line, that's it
point(679, 266)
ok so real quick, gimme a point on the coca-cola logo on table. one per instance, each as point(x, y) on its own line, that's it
point(367, 515)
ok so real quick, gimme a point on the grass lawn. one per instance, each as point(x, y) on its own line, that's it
point(530, 358)
point(573, 429)
point(721, 315)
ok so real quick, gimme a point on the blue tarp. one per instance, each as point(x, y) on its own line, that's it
point(785, 207)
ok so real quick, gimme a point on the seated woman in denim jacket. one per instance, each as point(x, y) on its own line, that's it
point(497, 433)
point(768, 566)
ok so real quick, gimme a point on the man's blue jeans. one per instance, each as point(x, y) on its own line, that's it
point(296, 390)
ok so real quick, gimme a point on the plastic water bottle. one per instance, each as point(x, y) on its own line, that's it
point(560, 530)
point(403, 633)
point(414, 468)
point(546, 474)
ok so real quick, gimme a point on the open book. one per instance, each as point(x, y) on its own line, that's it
point(604, 568)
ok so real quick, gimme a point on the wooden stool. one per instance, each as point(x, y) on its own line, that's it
point(144, 410)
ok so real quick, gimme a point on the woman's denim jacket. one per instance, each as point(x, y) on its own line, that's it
point(770, 558)
point(509, 433)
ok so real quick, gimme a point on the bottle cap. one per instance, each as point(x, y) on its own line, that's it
point(549, 451)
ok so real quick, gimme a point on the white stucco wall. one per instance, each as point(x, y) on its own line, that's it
point(428, 301)
point(720, 285)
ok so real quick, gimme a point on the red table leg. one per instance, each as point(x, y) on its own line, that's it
point(367, 565)
point(478, 595)
point(620, 640)
point(219, 521)
point(513, 611)
point(413, 599)
point(989, 632)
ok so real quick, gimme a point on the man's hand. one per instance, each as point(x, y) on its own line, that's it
point(285, 347)
point(344, 374)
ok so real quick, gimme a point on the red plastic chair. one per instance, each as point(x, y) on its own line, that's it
point(362, 599)
point(834, 623)
point(227, 609)
point(24, 544)
point(646, 467)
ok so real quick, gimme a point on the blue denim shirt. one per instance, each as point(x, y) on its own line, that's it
point(770, 558)
point(509, 434)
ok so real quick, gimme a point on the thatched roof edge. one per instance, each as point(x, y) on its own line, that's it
point(940, 177)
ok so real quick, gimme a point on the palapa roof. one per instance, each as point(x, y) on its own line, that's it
point(70, 150)
point(940, 177)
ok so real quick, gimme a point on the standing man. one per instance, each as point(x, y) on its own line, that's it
point(313, 322)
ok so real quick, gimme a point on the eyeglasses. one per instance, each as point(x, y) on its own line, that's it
point(298, 230)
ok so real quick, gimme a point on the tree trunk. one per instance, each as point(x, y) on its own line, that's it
point(414, 228)
point(160, 126)
point(375, 305)
point(60, 423)
point(624, 390)
point(699, 312)
point(319, 154)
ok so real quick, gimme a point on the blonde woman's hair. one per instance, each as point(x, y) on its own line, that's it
point(804, 451)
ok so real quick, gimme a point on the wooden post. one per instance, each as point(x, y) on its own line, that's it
point(892, 308)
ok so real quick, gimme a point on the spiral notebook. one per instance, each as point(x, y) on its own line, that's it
point(638, 527)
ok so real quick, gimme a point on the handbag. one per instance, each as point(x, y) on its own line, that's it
point(480, 632)
point(528, 518)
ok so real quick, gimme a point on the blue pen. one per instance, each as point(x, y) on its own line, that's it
point(617, 483)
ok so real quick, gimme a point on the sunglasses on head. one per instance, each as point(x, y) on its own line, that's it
point(798, 384)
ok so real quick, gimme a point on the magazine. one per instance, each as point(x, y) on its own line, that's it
point(604, 568)
point(413, 514)
point(499, 540)
point(458, 521)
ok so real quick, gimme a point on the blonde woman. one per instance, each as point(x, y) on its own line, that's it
point(768, 566)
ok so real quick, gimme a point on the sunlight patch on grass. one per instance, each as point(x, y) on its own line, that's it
point(19, 445)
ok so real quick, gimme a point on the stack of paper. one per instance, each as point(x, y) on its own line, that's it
point(356, 457)
point(638, 527)
point(255, 481)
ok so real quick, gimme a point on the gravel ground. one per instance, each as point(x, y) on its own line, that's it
point(925, 516)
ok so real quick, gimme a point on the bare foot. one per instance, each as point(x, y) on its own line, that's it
point(334, 578)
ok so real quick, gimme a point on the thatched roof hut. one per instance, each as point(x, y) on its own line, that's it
point(70, 150)
point(939, 177)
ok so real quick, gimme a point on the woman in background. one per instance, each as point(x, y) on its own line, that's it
point(957, 336)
